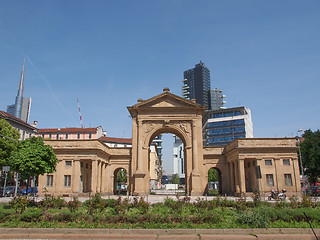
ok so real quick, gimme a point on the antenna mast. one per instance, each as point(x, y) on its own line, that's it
point(80, 113)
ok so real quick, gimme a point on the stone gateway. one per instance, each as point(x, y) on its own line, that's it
point(89, 166)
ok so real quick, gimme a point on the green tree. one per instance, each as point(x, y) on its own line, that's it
point(7, 145)
point(213, 175)
point(33, 158)
point(121, 176)
point(175, 179)
point(310, 151)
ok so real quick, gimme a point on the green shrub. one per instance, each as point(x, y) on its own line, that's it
point(52, 202)
point(294, 201)
point(307, 202)
point(143, 206)
point(4, 213)
point(110, 202)
point(73, 205)
point(19, 204)
point(252, 219)
point(95, 204)
point(256, 195)
point(31, 215)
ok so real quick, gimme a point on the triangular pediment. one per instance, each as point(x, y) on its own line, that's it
point(166, 100)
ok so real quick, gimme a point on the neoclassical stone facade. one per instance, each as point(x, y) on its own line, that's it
point(89, 166)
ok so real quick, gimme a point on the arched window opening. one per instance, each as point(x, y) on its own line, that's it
point(120, 181)
point(214, 182)
point(167, 165)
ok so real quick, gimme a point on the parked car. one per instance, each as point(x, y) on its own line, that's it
point(31, 191)
point(314, 190)
point(10, 191)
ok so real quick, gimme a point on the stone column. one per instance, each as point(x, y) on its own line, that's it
point(139, 175)
point(296, 175)
point(195, 169)
point(75, 179)
point(236, 177)
point(98, 175)
point(109, 180)
point(94, 173)
point(58, 179)
point(102, 185)
point(278, 173)
point(242, 176)
point(232, 180)
point(197, 181)
point(139, 149)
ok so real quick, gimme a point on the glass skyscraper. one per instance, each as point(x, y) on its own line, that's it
point(221, 127)
point(21, 107)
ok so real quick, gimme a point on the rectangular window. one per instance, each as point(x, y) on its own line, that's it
point(50, 135)
point(268, 162)
point(286, 161)
point(269, 178)
point(49, 180)
point(78, 135)
point(68, 163)
point(254, 163)
point(288, 180)
point(90, 135)
point(67, 180)
point(248, 164)
point(66, 135)
point(57, 136)
point(42, 135)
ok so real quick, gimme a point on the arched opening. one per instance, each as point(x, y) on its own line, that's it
point(214, 182)
point(167, 164)
point(120, 181)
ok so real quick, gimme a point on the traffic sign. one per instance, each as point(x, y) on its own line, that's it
point(5, 168)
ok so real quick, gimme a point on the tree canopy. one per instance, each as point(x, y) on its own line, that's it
point(122, 176)
point(310, 151)
point(7, 145)
point(33, 158)
point(175, 179)
point(213, 175)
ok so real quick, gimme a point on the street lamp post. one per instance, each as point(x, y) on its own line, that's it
point(300, 159)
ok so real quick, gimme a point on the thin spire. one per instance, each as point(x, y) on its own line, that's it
point(20, 89)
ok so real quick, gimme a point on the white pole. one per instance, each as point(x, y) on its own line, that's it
point(17, 180)
point(5, 184)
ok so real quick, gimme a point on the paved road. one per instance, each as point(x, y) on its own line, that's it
point(149, 198)
point(63, 233)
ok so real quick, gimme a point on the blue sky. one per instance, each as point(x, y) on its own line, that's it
point(264, 55)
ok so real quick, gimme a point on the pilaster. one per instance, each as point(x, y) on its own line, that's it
point(75, 179)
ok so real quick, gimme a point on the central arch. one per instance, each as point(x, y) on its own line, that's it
point(167, 113)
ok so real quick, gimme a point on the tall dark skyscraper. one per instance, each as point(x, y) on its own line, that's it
point(196, 84)
point(21, 108)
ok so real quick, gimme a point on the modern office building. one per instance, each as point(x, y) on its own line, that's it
point(216, 99)
point(21, 107)
point(178, 158)
point(221, 127)
point(158, 143)
point(155, 168)
point(196, 84)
